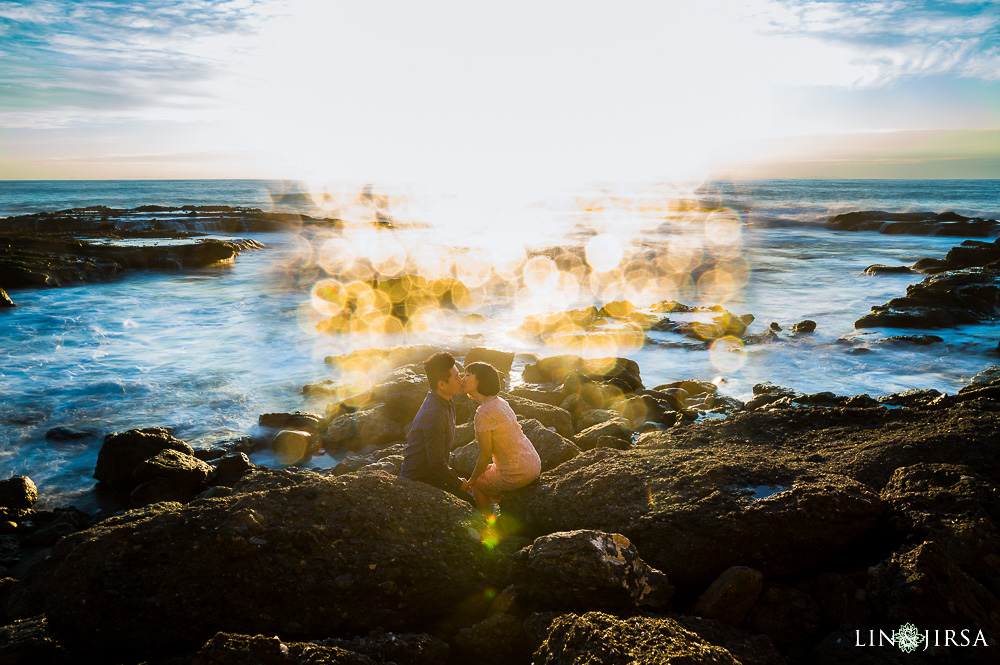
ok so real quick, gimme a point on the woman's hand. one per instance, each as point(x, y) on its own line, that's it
point(466, 485)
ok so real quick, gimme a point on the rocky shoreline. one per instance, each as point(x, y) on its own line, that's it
point(97, 243)
point(779, 534)
point(671, 523)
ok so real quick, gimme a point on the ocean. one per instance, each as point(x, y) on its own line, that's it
point(207, 351)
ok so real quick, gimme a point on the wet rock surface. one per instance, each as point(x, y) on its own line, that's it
point(601, 638)
point(349, 541)
point(915, 223)
point(122, 452)
point(588, 569)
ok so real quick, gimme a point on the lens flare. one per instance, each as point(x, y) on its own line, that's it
point(604, 252)
point(540, 274)
point(728, 354)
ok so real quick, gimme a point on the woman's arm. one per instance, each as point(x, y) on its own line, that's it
point(485, 440)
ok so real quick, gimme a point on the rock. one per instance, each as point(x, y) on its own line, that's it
point(731, 595)
point(123, 451)
point(988, 377)
point(18, 492)
point(925, 586)
point(916, 223)
point(60, 434)
point(914, 397)
point(842, 598)
point(787, 615)
point(879, 269)
point(341, 538)
point(774, 326)
point(292, 446)
point(215, 445)
point(402, 392)
point(588, 569)
point(5, 301)
point(641, 408)
point(548, 415)
point(747, 648)
point(28, 641)
point(497, 640)
point(552, 448)
point(553, 397)
point(555, 369)
point(49, 535)
point(918, 340)
point(955, 507)
point(185, 472)
point(573, 639)
point(593, 417)
point(234, 649)
point(230, 469)
point(940, 301)
point(399, 648)
point(354, 431)
point(463, 459)
point(806, 326)
point(306, 422)
point(690, 512)
point(368, 457)
point(501, 360)
point(618, 428)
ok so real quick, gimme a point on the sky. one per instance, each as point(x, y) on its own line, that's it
point(514, 92)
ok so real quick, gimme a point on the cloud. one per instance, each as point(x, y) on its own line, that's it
point(887, 41)
point(69, 57)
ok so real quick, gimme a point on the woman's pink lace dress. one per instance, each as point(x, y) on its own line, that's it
point(515, 460)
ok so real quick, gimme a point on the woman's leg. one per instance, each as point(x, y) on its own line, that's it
point(482, 498)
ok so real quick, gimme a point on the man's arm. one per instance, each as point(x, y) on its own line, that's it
point(437, 450)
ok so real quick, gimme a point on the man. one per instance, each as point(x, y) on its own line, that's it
point(432, 433)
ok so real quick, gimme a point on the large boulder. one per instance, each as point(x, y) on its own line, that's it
point(695, 512)
point(327, 555)
point(954, 506)
point(170, 476)
point(233, 649)
point(501, 360)
point(354, 431)
point(594, 637)
point(555, 369)
point(588, 569)
point(18, 492)
point(5, 300)
point(925, 586)
point(552, 448)
point(123, 451)
point(548, 415)
point(618, 428)
point(731, 595)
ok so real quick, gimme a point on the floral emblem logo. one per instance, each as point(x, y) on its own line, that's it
point(908, 638)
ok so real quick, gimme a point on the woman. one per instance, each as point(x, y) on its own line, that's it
point(507, 460)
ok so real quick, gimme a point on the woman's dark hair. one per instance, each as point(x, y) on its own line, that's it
point(438, 368)
point(487, 376)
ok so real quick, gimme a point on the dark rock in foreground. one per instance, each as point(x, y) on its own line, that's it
point(5, 300)
point(600, 638)
point(319, 557)
point(122, 452)
point(588, 569)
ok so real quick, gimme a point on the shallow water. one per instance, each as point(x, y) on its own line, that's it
point(208, 350)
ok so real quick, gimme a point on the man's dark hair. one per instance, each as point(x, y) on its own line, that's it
point(438, 368)
point(487, 377)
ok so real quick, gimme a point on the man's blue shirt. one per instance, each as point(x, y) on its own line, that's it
point(430, 440)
